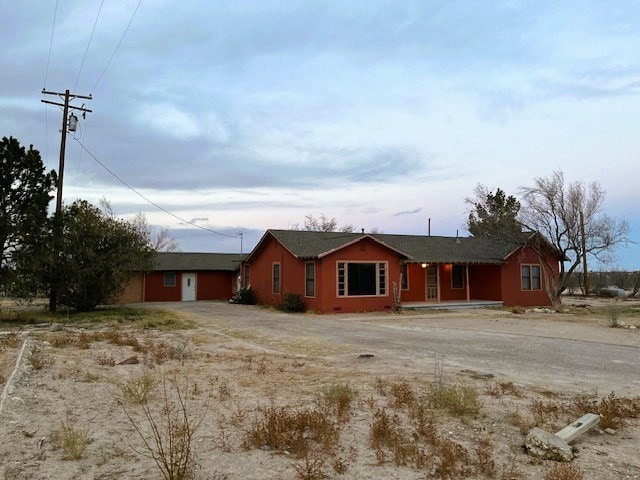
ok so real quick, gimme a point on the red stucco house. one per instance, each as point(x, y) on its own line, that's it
point(355, 272)
point(178, 276)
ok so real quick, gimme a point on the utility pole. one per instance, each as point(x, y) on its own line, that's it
point(69, 122)
point(584, 256)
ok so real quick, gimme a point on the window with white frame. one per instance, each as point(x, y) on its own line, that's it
point(531, 277)
point(362, 279)
point(310, 279)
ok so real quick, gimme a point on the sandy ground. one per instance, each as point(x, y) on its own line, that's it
point(239, 362)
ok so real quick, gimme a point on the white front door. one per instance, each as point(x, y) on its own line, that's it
point(188, 287)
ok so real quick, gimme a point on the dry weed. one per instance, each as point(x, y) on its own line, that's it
point(564, 471)
point(138, 389)
point(293, 431)
point(457, 399)
point(311, 469)
point(72, 441)
point(338, 398)
point(169, 437)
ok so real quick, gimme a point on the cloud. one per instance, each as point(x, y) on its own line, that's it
point(407, 212)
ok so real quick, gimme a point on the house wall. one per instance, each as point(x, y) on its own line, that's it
point(214, 285)
point(134, 290)
point(326, 300)
point(447, 293)
point(365, 250)
point(485, 282)
point(417, 288)
point(261, 272)
point(512, 293)
point(155, 291)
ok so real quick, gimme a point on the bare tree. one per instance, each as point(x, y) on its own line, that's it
point(553, 207)
point(159, 238)
point(325, 224)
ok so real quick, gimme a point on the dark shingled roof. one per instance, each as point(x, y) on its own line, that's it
point(196, 261)
point(416, 248)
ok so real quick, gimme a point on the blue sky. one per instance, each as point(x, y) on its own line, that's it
point(248, 115)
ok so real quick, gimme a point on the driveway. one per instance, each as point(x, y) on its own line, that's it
point(556, 351)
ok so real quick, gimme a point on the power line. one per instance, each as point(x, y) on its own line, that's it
point(118, 45)
point(88, 44)
point(147, 199)
point(53, 27)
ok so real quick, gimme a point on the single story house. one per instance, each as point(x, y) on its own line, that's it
point(178, 276)
point(355, 272)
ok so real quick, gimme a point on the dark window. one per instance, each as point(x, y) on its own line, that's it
point(457, 276)
point(169, 279)
point(310, 279)
point(362, 279)
point(246, 276)
point(276, 278)
point(404, 281)
point(531, 277)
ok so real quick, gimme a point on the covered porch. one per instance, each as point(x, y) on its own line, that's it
point(451, 285)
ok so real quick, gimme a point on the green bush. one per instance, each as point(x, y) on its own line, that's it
point(245, 296)
point(292, 303)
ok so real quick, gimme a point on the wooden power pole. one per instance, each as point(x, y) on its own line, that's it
point(70, 124)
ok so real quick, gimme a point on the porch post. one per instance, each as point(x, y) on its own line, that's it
point(466, 271)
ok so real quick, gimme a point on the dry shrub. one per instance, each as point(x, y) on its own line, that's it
point(293, 431)
point(457, 399)
point(72, 441)
point(564, 471)
point(423, 424)
point(380, 386)
point(484, 457)
point(402, 395)
point(311, 469)
point(168, 434)
point(138, 389)
point(10, 340)
point(338, 398)
point(613, 410)
point(511, 471)
point(543, 411)
point(38, 360)
point(451, 459)
point(523, 422)
point(509, 388)
point(498, 389)
point(105, 360)
point(383, 432)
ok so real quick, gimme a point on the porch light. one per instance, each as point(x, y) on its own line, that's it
point(424, 265)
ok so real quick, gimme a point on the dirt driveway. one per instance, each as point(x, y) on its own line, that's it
point(443, 395)
point(569, 351)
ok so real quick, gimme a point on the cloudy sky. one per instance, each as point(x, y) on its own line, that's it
point(247, 115)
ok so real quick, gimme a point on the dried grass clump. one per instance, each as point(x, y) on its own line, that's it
point(293, 431)
point(338, 398)
point(72, 441)
point(564, 471)
point(138, 389)
point(458, 399)
point(613, 410)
